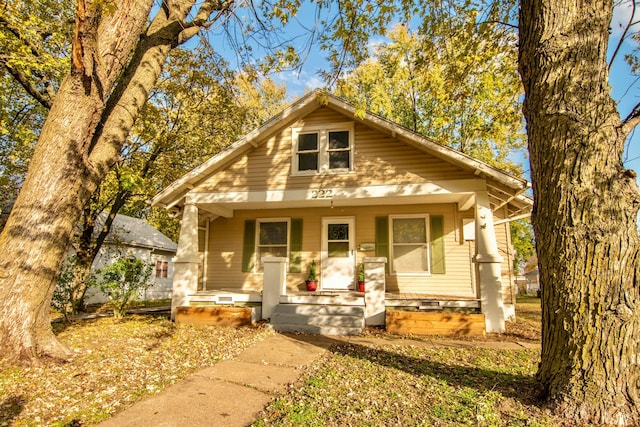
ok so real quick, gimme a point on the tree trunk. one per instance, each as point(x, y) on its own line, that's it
point(114, 67)
point(60, 180)
point(584, 216)
point(36, 237)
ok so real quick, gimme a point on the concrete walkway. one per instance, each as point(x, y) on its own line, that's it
point(233, 392)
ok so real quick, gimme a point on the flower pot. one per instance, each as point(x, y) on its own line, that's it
point(360, 286)
point(312, 285)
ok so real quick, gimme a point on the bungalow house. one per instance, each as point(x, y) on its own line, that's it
point(324, 182)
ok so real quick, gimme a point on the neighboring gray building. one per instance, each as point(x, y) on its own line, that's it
point(134, 237)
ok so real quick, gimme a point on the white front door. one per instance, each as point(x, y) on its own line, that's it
point(338, 253)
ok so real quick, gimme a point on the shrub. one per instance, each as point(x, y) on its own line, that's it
point(69, 293)
point(122, 281)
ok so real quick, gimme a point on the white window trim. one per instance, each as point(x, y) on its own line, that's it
point(259, 221)
point(392, 269)
point(323, 148)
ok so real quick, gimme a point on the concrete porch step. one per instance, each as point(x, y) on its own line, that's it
point(318, 319)
point(319, 310)
point(336, 299)
point(318, 330)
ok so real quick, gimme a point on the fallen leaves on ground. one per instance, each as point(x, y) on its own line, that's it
point(395, 385)
point(117, 362)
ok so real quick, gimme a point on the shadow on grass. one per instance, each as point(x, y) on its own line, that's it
point(60, 325)
point(522, 388)
point(10, 408)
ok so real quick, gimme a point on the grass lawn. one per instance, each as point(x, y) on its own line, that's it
point(385, 385)
point(118, 362)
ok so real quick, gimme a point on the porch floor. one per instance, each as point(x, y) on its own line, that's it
point(392, 299)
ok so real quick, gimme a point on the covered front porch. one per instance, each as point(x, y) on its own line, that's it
point(470, 199)
point(336, 312)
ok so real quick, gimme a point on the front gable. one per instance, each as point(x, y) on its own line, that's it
point(321, 146)
point(373, 159)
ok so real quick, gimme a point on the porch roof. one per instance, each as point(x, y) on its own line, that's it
point(460, 192)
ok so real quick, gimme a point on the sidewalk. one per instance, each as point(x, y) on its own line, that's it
point(232, 392)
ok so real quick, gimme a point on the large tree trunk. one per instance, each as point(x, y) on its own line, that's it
point(114, 67)
point(60, 180)
point(584, 217)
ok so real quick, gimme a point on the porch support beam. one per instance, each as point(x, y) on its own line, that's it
point(187, 260)
point(451, 187)
point(489, 262)
point(467, 203)
point(374, 295)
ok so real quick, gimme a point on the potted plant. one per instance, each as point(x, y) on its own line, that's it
point(361, 277)
point(312, 280)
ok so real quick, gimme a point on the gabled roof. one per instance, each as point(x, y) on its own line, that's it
point(130, 231)
point(175, 193)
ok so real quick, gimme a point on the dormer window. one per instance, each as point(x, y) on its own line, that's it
point(317, 150)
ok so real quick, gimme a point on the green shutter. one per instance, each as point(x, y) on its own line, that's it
point(295, 246)
point(437, 244)
point(249, 246)
point(382, 239)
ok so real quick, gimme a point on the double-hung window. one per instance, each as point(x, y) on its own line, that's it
point(308, 150)
point(162, 269)
point(272, 239)
point(409, 236)
point(319, 150)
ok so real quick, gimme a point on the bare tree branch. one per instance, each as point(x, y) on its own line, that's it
point(624, 34)
point(632, 120)
point(28, 86)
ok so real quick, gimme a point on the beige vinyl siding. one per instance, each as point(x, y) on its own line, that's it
point(378, 159)
point(226, 235)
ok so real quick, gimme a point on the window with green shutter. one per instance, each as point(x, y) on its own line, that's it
point(382, 239)
point(295, 254)
point(249, 246)
point(272, 237)
point(437, 244)
point(416, 244)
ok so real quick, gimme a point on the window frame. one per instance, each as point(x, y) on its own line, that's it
point(258, 268)
point(323, 148)
point(163, 268)
point(392, 244)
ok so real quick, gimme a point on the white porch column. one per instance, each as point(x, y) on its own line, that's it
point(488, 260)
point(186, 262)
point(374, 289)
point(275, 283)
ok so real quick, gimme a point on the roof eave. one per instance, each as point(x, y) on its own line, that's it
point(427, 144)
point(177, 190)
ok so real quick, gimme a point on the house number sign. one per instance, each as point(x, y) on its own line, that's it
point(321, 194)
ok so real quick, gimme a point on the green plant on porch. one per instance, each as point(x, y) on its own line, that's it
point(312, 278)
point(361, 277)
